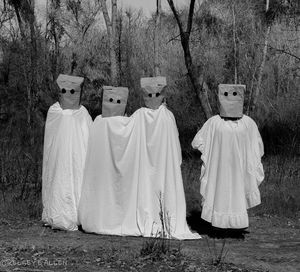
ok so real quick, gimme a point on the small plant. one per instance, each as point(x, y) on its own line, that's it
point(217, 258)
point(158, 245)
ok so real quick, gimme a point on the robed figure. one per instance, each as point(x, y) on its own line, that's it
point(231, 172)
point(65, 144)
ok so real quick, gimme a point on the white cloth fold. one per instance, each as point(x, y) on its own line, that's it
point(65, 145)
point(231, 171)
point(133, 178)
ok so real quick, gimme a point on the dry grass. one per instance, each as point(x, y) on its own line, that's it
point(20, 169)
point(280, 190)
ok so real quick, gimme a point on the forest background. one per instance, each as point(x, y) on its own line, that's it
point(196, 46)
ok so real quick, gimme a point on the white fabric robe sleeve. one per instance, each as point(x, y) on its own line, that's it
point(254, 165)
point(202, 142)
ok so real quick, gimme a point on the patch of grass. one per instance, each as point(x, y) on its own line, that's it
point(20, 172)
point(158, 245)
point(157, 248)
point(191, 170)
point(217, 257)
point(280, 191)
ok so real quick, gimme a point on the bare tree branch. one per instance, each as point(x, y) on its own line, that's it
point(177, 36)
point(171, 4)
point(106, 16)
point(190, 18)
point(282, 51)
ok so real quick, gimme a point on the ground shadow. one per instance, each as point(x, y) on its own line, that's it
point(203, 227)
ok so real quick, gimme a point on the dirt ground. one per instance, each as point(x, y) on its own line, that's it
point(273, 244)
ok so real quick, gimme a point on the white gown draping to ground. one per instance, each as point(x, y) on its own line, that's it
point(133, 178)
point(231, 171)
point(65, 145)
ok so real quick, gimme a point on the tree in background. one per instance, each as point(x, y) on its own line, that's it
point(78, 18)
point(25, 14)
point(195, 72)
point(111, 23)
point(156, 38)
point(267, 14)
point(53, 34)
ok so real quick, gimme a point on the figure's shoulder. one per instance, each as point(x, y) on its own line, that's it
point(248, 120)
point(55, 105)
point(212, 120)
point(83, 109)
point(54, 108)
point(98, 118)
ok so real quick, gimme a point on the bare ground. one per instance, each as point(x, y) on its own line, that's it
point(273, 244)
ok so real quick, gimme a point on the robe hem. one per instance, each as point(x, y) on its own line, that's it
point(223, 220)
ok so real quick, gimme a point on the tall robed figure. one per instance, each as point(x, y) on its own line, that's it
point(65, 145)
point(231, 172)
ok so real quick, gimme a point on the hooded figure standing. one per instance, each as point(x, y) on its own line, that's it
point(161, 205)
point(103, 208)
point(65, 145)
point(231, 172)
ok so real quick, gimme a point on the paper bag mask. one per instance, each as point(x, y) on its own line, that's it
point(153, 91)
point(114, 101)
point(231, 100)
point(70, 91)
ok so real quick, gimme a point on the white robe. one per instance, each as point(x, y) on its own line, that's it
point(131, 161)
point(231, 171)
point(65, 145)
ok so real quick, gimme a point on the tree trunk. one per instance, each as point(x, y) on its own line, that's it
point(31, 48)
point(198, 82)
point(256, 92)
point(120, 49)
point(54, 25)
point(195, 74)
point(33, 67)
point(234, 46)
point(111, 32)
point(156, 38)
point(113, 59)
point(253, 96)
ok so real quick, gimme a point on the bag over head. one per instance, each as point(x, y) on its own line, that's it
point(231, 100)
point(70, 91)
point(114, 101)
point(153, 91)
